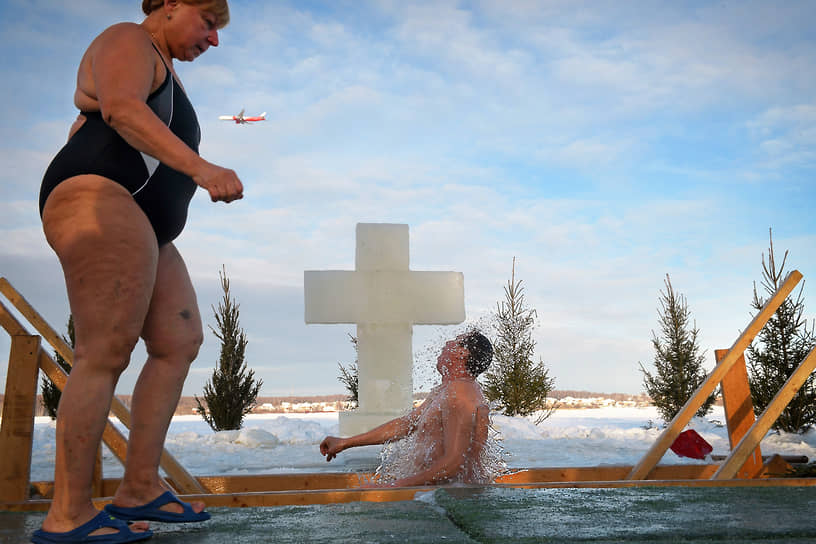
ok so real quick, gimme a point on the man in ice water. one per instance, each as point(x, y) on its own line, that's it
point(447, 431)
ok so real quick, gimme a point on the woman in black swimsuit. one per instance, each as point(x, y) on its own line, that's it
point(112, 202)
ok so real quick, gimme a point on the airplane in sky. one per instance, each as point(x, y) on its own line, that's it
point(241, 120)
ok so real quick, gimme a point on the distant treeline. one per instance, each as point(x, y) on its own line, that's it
point(186, 405)
point(563, 393)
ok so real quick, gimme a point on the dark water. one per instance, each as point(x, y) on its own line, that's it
point(467, 515)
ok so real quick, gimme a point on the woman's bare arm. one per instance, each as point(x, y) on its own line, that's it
point(122, 63)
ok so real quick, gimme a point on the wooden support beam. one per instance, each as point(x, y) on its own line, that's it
point(675, 427)
point(739, 412)
point(17, 428)
point(185, 481)
point(763, 424)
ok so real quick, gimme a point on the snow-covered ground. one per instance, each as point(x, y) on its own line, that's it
point(274, 443)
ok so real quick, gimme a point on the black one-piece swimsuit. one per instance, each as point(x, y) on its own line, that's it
point(162, 193)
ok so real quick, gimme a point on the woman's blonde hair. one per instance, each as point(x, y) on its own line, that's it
point(219, 8)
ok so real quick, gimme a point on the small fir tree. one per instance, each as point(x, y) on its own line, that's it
point(350, 378)
point(781, 345)
point(50, 393)
point(678, 361)
point(514, 383)
point(232, 391)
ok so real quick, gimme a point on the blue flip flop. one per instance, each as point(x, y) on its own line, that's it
point(152, 511)
point(82, 533)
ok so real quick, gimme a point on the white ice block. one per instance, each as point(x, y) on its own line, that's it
point(419, 298)
point(385, 299)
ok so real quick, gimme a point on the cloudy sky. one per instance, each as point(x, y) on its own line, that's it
point(602, 144)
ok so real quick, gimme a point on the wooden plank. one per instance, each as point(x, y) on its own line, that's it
point(283, 482)
point(606, 473)
point(763, 424)
point(17, 428)
point(53, 370)
point(186, 482)
point(739, 412)
point(9, 322)
point(675, 427)
point(321, 496)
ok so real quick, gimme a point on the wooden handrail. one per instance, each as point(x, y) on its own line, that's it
point(186, 482)
point(114, 439)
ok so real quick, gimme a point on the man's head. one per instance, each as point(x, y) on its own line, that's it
point(480, 352)
point(469, 354)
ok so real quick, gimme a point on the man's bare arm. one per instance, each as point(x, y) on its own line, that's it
point(391, 430)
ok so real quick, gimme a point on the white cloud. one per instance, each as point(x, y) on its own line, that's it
point(575, 136)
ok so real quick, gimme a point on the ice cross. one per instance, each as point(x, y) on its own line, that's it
point(385, 299)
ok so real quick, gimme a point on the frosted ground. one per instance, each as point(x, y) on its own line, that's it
point(277, 443)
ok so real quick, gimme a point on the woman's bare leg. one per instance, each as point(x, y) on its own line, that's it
point(172, 334)
point(109, 255)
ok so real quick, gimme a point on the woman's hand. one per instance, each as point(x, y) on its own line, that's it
point(222, 183)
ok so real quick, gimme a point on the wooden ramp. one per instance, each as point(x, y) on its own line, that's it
point(742, 467)
point(728, 370)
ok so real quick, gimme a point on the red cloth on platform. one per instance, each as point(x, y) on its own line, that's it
point(691, 444)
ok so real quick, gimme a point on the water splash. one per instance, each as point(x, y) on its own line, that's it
point(425, 376)
point(410, 455)
point(415, 453)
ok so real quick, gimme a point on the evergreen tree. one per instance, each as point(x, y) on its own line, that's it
point(350, 378)
point(50, 393)
point(781, 345)
point(514, 383)
point(678, 361)
point(232, 391)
